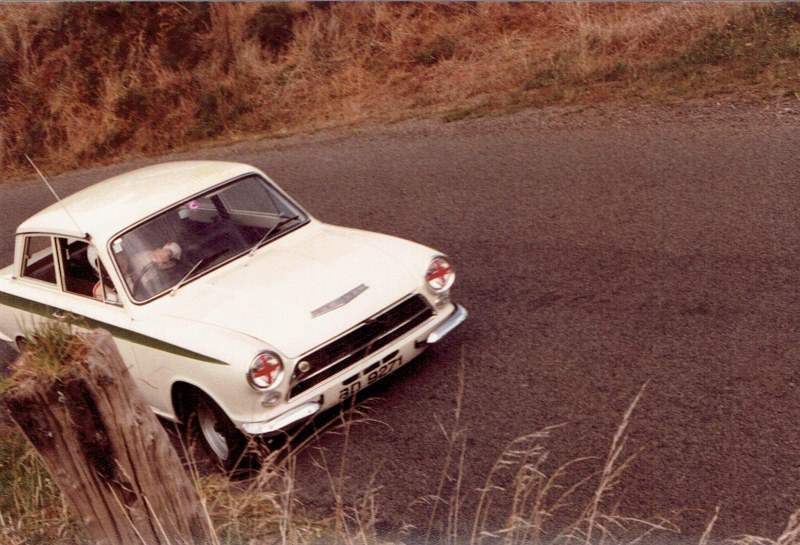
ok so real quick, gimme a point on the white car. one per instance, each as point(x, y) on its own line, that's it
point(235, 310)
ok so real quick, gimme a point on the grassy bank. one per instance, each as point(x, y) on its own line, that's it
point(525, 497)
point(87, 83)
point(565, 505)
point(535, 500)
point(569, 504)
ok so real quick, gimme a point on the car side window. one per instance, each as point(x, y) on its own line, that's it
point(84, 274)
point(38, 260)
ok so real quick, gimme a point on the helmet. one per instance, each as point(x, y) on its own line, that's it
point(94, 260)
point(174, 249)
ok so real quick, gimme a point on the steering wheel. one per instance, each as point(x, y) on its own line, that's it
point(138, 284)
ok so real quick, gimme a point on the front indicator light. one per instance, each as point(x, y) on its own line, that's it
point(270, 399)
point(266, 371)
point(442, 300)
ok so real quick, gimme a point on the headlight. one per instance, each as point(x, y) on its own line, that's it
point(440, 275)
point(266, 371)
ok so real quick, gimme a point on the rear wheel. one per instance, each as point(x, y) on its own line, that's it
point(210, 428)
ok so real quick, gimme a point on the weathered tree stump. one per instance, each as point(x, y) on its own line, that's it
point(108, 453)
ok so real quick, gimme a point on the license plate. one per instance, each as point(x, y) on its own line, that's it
point(351, 387)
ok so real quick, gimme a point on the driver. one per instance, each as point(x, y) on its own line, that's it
point(163, 258)
point(147, 268)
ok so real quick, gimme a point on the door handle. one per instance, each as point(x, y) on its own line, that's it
point(59, 314)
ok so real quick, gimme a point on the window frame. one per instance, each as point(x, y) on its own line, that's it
point(63, 252)
point(24, 258)
point(59, 267)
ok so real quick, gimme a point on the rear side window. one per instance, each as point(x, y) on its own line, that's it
point(38, 262)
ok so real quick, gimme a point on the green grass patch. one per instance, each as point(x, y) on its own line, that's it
point(49, 350)
point(32, 509)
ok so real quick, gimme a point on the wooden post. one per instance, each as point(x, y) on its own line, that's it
point(108, 453)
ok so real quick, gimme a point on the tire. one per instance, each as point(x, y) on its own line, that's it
point(219, 441)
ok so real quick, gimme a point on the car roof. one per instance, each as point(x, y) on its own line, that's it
point(104, 209)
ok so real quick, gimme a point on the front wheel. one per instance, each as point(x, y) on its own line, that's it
point(209, 427)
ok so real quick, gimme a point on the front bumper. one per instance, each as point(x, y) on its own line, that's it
point(338, 390)
point(459, 315)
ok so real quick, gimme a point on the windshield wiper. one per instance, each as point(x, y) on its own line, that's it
point(283, 221)
point(186, 276)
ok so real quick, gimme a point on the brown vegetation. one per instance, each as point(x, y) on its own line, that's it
point(86, 82)
point(73, 398)
point(539, 504)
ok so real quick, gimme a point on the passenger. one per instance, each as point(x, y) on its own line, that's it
point(102, 290)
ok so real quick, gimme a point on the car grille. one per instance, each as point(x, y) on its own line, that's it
point(367, 338)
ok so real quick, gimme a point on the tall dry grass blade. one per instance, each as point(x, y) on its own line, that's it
point(509, 458)
point(455, 502)
point(706, 535)
point(611, 470)
point(125, 511)
point(452, 438)
point(791, 534)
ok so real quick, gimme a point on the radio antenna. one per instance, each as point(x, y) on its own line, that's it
point(53, 191)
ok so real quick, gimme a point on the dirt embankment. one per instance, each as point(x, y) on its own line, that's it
point(87, 83)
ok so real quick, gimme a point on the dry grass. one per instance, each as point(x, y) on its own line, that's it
point(562, 506)
point(535, 505)
point(264, 508)
point(32, 509)
point(50, 349)
point(82, 83)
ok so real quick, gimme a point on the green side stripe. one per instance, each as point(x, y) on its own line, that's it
point(47, 311)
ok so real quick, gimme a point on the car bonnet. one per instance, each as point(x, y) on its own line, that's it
point(298, 292)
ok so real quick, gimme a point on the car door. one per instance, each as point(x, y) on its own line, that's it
point(90, 298)
point(49, 287)
point(35, 295)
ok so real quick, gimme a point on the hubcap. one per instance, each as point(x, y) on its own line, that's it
point(209, 427)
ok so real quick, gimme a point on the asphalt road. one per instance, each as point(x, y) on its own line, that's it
point(596, 253)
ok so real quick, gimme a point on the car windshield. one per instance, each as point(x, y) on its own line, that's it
point(197, 235)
